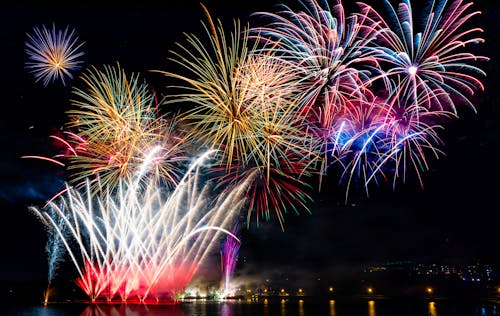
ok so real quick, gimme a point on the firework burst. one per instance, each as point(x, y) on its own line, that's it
point(431, 66)
point(115, 121)
point(383, 139)
point(245, 108)
point(323, 45)
point(53, 54)
point(326, 49)
point(221, 112)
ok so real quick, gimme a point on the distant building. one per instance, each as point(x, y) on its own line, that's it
point(474, 272)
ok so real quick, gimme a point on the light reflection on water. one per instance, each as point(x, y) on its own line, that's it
point(371, 308)
point(332, 308)
point(268, 307)
point(226, 310)
point(135, 310)
point(283, 307)
point(432, 309)
point(301, 308)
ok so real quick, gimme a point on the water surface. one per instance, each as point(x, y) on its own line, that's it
point(269, 308)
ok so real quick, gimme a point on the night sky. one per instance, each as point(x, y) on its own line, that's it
point(454, 218)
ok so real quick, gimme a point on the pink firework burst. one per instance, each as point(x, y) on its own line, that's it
point(431, 66)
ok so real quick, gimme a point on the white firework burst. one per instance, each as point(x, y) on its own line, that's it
point(53, 54)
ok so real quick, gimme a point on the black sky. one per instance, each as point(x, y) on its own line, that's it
point(454, 218)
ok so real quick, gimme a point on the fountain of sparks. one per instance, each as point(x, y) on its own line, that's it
point(135, 242)
point(55, 250)
point(229, 257)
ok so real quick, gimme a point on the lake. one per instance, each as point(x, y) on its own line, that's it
point(389, 307)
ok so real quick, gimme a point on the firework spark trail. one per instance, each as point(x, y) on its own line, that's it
point(53, 55)
point(323, 45)
point(229, 257)
point(114, 120)
point(352, 61)
point(244, 107)
point(135, 243)
point(55, 250)
point(221, 115)
point(423, 87)
point(327, 49)
point(431, 66)
point(382, 139)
